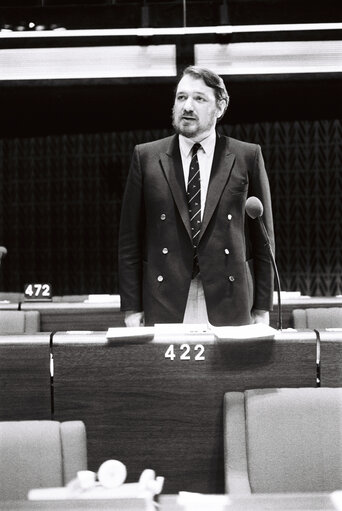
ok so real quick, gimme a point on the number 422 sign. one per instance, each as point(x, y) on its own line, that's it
point(37, 292)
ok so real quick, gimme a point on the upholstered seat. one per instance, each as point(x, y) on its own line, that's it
point(283, 440)
point(35, 454)
point(320, 317)
point(19, 322)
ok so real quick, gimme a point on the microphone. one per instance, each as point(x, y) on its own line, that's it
point(254, 207)
point(3, 252)
point(255, 210)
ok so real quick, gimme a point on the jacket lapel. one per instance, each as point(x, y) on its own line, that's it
point(220, 173)
point(171, 163)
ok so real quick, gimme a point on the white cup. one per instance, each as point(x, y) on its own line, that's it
point(112, 473)
point(86, 478)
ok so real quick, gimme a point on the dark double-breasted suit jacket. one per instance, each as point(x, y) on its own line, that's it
point(155, 245)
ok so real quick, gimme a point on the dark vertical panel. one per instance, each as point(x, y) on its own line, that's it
point(25, 378)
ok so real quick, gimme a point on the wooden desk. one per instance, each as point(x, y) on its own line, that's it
point(331, 357)
point(152, 412)
point(24, 377)
point(61, 316)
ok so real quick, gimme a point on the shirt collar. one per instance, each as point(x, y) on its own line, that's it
point(208, 144)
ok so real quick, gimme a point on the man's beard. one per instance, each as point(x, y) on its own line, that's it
point(189, 131)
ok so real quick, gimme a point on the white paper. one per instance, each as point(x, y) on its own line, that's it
point(130, 334)
point(248, 332)
point(336, 498)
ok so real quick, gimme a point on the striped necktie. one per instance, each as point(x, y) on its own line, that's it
point(194, 203)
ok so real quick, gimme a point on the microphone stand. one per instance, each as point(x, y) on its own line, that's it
point(268, 244)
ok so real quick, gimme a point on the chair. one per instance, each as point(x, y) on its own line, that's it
point(283, 440)
point(329, 317)
point(19, 322)
point(39, 454)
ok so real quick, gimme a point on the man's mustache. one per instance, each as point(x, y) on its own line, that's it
point(189, 115)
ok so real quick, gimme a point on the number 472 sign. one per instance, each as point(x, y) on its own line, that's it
point(37, 292)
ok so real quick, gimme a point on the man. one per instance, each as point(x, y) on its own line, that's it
point(187, 251)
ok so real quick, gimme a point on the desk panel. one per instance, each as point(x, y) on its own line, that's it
point(331, 357)
point(153, 412)
point(25, 377)
point(62, 316)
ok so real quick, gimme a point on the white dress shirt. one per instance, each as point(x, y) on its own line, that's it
point(205, 160)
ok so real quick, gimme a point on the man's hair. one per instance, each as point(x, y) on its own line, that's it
point(212, 80)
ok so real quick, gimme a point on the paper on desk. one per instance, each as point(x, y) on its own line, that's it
point(247, 332)
point(103, 299)
point(169, 332)
point(200, 502)
point(336, 498)
point(130, 334)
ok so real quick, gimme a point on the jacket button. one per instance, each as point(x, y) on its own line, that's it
point(160, 278)
point(162, 216)
point(229, 216)
point(165, 250)
point(226, 251)
point(231, 278)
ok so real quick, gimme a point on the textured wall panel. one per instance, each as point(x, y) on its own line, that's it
point(61, 198)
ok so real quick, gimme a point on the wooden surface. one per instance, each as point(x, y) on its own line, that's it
point(24, 377)
point(152, 412)
point(331, 357)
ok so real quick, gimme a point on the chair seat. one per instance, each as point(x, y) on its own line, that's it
point(19, 322)
point(317, 317)
point(283, 440)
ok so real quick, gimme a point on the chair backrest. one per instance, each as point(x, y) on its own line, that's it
point(283, 440)
point(320, 317)
point(38, 454)
point(19, 322)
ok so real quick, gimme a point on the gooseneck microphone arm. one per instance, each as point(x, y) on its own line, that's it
point(268, 244)
point(254, 210)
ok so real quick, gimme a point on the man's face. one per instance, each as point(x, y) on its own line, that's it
point(195, 110)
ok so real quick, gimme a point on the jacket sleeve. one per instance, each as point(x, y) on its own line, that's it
point(263, 269)
point(131, 237)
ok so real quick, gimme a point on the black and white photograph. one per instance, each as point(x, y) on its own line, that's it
point(171, 255)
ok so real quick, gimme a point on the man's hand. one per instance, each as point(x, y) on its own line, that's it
point(133, 318)
point(260, 316)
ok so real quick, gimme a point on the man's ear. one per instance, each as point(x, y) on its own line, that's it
point(221, 108)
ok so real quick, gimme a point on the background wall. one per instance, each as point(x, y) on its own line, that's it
point(61, 192)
